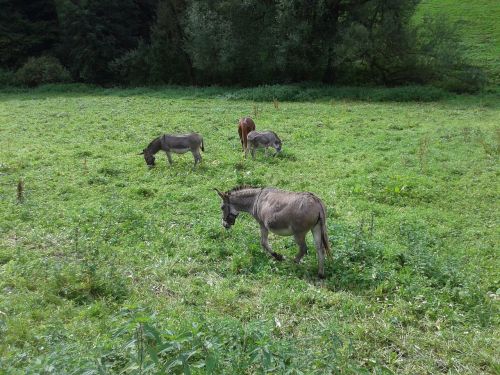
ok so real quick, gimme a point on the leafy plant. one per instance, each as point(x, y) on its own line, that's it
point(41, 70)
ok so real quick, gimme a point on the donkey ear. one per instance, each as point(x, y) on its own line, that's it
point(222, 195)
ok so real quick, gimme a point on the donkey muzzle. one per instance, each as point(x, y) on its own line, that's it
point(229, 221)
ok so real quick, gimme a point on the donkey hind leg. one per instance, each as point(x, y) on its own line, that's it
point(243, 145)
point(264, 233)
point(169, 157)
point(300, 239)
point(196, 156)
point(316, 231)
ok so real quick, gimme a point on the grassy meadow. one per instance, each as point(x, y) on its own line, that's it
point(108, 267)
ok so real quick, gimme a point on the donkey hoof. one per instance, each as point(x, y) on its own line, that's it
point(278, 256)
point(298, 260)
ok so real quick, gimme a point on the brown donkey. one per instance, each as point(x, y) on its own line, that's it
point(282, 212)
point(245, 126)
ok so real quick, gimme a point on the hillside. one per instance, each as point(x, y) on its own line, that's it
point(479, 24)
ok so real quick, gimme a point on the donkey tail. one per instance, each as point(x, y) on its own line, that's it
point(324, 233)
point(202, 147)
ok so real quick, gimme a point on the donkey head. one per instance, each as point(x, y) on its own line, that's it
point(277, 144)
point(148, 157)
point(229, 212)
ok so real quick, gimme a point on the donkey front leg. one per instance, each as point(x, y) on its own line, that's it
point(169, 157)
point(316, 231)
point(250, 149)
point(300, 239)
point(264, 233)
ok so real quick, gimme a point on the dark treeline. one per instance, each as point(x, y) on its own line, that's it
point(245, 42)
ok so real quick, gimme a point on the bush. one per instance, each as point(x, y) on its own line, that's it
point(468, 79)
point(133, 67)
point(308, 92)
point(7, 78)
point(40, 70)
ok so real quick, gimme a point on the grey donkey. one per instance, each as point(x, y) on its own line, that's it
point(264, 139)
point(178, 144)
point(282, 212)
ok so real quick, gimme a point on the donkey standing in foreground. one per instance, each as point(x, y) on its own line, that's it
point(264, 140)
point(178, 144)
point(281, 212)
point(245, 126)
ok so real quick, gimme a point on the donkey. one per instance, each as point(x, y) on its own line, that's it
point(174, 143)
point(264, 139)
point(245, 126)
point(281, 212)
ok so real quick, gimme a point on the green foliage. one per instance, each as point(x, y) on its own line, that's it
point(41, 70)
point(7, 78)
point(374, 43)
point(163, 60)
point(132, 67)
point(232, 42)
point(29, 29)
point(169, 62)
point(215, 347)
point(95, 33)
point(203, 42)
point(298, 93)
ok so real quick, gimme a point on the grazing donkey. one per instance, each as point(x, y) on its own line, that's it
point(262, 139)
point(174, 143)
point(245, 126)
point(281, 212)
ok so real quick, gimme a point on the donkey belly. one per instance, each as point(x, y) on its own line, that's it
point(180, 150)
point(282, 231)
point(263, 145)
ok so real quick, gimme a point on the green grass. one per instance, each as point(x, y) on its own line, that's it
point(479, 25)
point(106, 265)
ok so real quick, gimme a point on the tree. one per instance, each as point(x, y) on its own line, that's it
point(170, 63)
point(27, 28)
point(94, 33)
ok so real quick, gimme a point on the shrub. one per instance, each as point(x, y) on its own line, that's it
point(468, 79)
point(133, 67)
point(40, 70)
point(309, 91)
point(7, 77)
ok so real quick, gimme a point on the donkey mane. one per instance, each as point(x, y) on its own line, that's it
point(153, 141)
point(241, 187)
